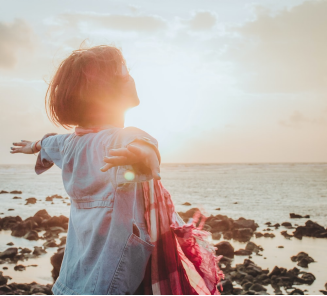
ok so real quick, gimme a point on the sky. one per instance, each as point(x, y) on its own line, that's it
point(220, 81)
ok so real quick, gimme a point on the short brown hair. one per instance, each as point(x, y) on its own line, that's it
point(82, 80)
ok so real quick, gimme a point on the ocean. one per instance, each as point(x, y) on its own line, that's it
point(263, 192)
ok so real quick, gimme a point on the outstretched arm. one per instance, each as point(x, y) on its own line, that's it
point(28, 147)
point(135, 153)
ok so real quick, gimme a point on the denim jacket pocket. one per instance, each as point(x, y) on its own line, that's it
point(131, 267)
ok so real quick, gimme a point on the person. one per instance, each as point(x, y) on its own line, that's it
point(120, 212)
point(103, 164)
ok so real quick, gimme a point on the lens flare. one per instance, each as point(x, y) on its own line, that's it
point(129, 176)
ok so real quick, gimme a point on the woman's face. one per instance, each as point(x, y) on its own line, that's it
point(128, 92)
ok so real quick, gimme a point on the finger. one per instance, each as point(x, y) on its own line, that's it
point(135, 150)
point(19, 143)
point(121, 152)
point(116, 160)
point(15, 150)
point(106, 167)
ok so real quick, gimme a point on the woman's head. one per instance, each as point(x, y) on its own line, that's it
point(90, 84)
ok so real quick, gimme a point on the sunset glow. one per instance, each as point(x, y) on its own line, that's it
point(219, 81)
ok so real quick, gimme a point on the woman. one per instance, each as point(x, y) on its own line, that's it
point(108, 241)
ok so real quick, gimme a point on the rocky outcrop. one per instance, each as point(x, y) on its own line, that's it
point(311, 229)
point(302, 259)
point(56, 261)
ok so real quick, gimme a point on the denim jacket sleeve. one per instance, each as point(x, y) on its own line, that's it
point(136, 172)
point(51, 152)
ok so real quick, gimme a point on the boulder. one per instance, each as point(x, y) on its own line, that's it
point(39, 251)
point(56, 261)
point(9, 253)
point(7, 223)
point(186, 204)
point(16, 192)
point(19, 267)
point(228, 235)
point(243, 234)
point(3, 192)
point(258, 288)
point(10, 244)
point(50, 244)
point(308, 278)
point(225, 248)
point(216, 236)
point(287, 224)
point(226, 286)
point(242, 252)
point(219, 225)
point(258, 234)
point(311, 229)
point(31, 235)
point(3, 280)
point(25, 251)
point(251, 246)
point(244, 223)
point(303, 259)
point(30, 200)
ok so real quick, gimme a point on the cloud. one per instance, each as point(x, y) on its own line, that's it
point(14, 37)
point(202, 20)
point(297, 120)
point(141, 23)
point(285, 52)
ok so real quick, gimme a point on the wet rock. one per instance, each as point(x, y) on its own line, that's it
point(22, 228)
point(219, 225)
point(287, 224)
point(276, 271)
point(62, 241)
point(3, 192)
point(19, 267)
point(186, 204)
point(3, 280)
point(271, 235)
point(227, 287)
point(277, 225)
point(228, 235)
point(16, 197)
point(31, 235)
point(60, 221)
point(11, 209)
point(9, 253)
point(16, 192)
point(285, 234)
point(217, 209)
point(56, 261)
point(243, 234)
point(10, 244)
point(5, 267)
point(216, 236)
point(39, 251)
point(244, 223)
point(308, 278)
point(50, 244)
point(303, 259)
point(251, 246)
point(225, 248)
point(324, 292)
point(280, 247)
point(311, 229)
point(30, 200)
point(242, 252)
point(296, 292)
point(258, 234)
point(294, 216)
point(257, 288)
point(25, 251)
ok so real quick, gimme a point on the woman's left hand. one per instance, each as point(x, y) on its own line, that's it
point(133, 154)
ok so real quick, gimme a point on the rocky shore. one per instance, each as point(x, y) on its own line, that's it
point(244, 278)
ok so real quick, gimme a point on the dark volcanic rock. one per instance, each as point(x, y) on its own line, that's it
point(303, 259)
point(186, 204)
point(243, 223)
point(242, 252)
point(56, 261)
point(39, 251)
point(19, 267)
point(3, 280)
point(258, 288)
point(31, 235)
point(225, 248)
point(9, 253)
point(311, 229)
point(243, 234)
point(30, 200)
